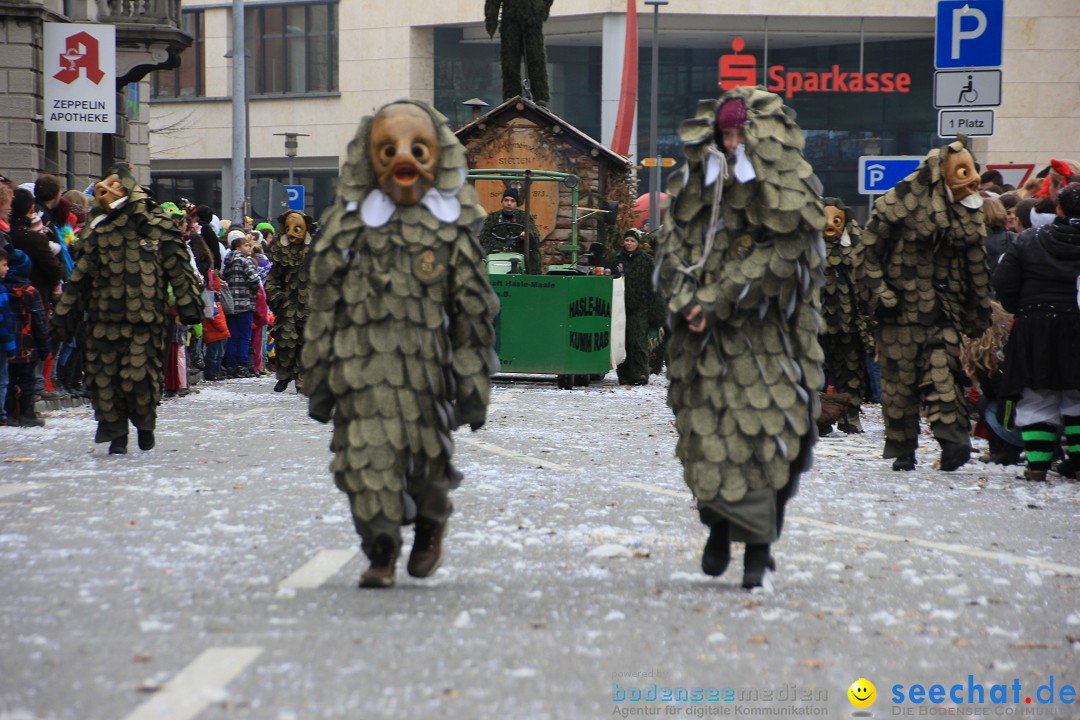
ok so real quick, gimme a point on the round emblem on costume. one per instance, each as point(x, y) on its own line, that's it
point(741, 248)
point(429, 266)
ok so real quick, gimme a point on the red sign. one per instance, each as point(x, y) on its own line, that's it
point(738, 68)
point(1015, 174)
point(81, 52)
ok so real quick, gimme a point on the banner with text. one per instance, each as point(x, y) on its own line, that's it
point(80, 78)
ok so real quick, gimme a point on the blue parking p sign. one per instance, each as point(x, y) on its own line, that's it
point(296, 197)
point(878, 173)
point(969, 33)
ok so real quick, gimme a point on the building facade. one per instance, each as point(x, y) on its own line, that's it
point(148, 37)
point(860, 76)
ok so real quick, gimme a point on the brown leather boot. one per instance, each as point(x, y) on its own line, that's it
point(380, 573)
point(427, 551)
point(1034, 475)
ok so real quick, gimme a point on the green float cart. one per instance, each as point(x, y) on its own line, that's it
point(570, 322)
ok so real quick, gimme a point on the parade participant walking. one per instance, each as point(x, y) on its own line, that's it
point(741, 258)
point(922, 271)
point(1038, 279)
point(846, 339)
point(287, 294)
point(644, 309)
point(130, 253)
point(398, 344)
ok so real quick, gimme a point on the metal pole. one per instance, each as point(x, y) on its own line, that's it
point(291, 169)
point(654, 179)
point(239, 113)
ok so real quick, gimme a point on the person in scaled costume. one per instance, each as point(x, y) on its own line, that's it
point(741, 257)
point(510, 213)
point(921, 268)
point(131, 252)
point(399, 340)
point(287, 294)
point(846, 340)
point(521, 33)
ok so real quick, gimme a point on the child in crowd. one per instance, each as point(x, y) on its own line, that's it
point(31, 341)
point(7, 335)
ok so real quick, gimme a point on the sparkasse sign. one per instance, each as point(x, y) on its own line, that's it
point(738, 68)
point(80, 77)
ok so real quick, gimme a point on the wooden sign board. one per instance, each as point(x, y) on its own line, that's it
point(521, 148)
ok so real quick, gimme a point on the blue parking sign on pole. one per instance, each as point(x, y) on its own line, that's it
point(969, 33)
point(878, 173)
point(296, 197)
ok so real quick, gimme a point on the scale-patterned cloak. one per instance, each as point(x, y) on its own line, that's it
point(744, 392)
point(847, 340)
point(399, 338)
point(287, 296)
point(128, 258)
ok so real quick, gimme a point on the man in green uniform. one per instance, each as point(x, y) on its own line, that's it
point(521, 32)
point(741, 258)
point(130, 254)
point(399, 340)
point(494, 235)
point(922, 270)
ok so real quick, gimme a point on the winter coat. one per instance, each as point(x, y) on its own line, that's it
point(46, 272)
point(31, 336)
point(7, 321)
point(1037, 280)
point(243, 279)
point(997, 242)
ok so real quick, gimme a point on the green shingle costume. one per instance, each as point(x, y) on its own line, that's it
point(399, 340)
point(744, 390)
point(130, 255)
point(521, 33)
point(287, 293)
point(922, 269)
point(846, 340)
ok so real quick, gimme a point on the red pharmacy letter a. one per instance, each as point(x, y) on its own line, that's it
point(82, 52)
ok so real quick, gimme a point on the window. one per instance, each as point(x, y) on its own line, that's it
point(292, 48)
point(187, 80)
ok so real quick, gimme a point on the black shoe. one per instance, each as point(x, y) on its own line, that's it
point(717, 553)
point(953, 455)
point(904, 462)
point(146, 439)
point(282, 385)
point(118, 446)
point(427, 551)
point(755, 564)
point(380, 573)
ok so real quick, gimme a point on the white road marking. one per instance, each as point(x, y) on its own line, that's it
point(888, 537)
point(198, 685)
point(12, 488)
point(319, 569)
point(495, 449)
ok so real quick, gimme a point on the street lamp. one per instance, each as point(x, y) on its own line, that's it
point(290, 149)
point(654, 179)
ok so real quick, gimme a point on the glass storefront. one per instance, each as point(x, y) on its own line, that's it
point(839, 127)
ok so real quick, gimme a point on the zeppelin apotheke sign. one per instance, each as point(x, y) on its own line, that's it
point(80, 78)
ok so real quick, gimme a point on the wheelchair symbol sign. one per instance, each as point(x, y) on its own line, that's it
point(967, 88)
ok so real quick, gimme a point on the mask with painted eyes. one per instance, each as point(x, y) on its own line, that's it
point(295, 227)
point(960, 175)
point(404, 151)
point(835, 220)
point(109, 191)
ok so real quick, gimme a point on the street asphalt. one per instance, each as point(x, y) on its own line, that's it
point(214, 577)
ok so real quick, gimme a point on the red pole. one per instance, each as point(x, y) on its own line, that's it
point(624, 120)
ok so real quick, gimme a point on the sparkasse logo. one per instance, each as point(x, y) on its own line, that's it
point(739, 68)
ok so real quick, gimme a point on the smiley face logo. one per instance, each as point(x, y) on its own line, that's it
point(862, 693)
